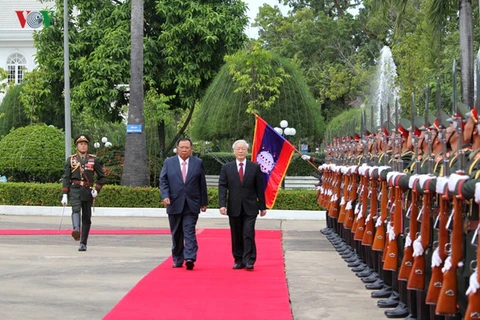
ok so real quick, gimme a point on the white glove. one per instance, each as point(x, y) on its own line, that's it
point(64, 199)
point(454, 179)
point(447, 265)
point(477, 192)
point(94, 193)
point(391, 233)
point(411, 181)
point(417, 247)
point(306, 157)
point(408, 240)
point(436, 259)
point(474, 285)
point(441, 182)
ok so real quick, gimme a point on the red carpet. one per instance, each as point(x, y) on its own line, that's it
point(213, 290)
point(50, 232)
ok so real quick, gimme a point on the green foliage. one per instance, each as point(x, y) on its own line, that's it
point(49, 194)
point(223, 111)
point(257, 77)
point(346, 123)
point(333, 48)
point(11, 111)
point(213, 161)
point(184, 45)
point(33, 153)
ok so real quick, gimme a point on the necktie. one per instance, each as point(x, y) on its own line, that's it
point(184, 171)
point(240, 171)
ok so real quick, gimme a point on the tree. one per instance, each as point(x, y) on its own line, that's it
point(257, 81)
point(333, 48)
point(135, 171)
point(184, 45)
point(441, 13)
point(12, 113)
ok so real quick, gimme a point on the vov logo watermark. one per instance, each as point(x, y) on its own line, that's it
point(34, 19)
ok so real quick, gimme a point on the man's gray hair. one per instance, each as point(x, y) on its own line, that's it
point(239, 141)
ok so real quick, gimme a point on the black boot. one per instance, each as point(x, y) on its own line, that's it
point(83, 241)
point(401, 311)
point(76, 226)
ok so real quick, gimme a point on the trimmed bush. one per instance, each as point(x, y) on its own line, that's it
point(33, 153)
point(49, 194)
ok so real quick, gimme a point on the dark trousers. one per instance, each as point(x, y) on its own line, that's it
point(80, 205)
point(242, 229)
point(184, 237)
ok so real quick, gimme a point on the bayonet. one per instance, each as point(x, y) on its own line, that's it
point(458, 122)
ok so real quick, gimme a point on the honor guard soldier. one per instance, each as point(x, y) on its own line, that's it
point(78, 183)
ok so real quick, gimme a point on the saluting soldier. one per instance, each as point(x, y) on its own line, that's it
point(78, 183)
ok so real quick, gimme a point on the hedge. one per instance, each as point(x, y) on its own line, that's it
point(50, 194)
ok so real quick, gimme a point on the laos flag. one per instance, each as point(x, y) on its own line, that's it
point(273, 153)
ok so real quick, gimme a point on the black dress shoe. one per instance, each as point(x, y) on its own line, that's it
point(347, 254)
point(177, 265)
point(401, 311)
point(82, 247)
point(384, 293)
point(365, 273)
point(391, 302)
point(360, 268)
point(353, 259)
point(371, 278)
point(326, 230)
point(377, 285)
point(249, 267)
point(238, 265)
point(355, 263)
point(189, 264)
point(411, 317)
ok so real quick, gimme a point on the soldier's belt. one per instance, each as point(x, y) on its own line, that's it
point(81, 183)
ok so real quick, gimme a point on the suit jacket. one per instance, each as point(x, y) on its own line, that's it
point(248, 194)
point(193, 191)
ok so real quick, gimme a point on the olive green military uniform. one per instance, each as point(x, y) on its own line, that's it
point(78, 182)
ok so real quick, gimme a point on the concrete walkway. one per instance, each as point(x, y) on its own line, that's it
point(45, 277)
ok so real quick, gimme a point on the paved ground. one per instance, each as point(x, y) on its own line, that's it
point(45, 277)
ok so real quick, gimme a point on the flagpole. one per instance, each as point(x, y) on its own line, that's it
point(308, 161)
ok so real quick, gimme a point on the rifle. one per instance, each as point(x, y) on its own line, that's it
point(447, 300)
point(359, 226)
point(379, 240)
point(412, 212)
point(368, 234)
point(396, 215)
point(473, 307)
point(416, 280)
point(436, 279)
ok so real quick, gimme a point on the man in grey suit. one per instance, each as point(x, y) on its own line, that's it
point(183, 189)
point(241, 196)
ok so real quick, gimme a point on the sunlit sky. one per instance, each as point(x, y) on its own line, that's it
point(253, 6)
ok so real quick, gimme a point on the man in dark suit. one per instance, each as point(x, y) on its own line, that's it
point(241, 196)
point(183, 189)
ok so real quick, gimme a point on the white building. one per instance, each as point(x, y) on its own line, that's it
point(19, 20)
